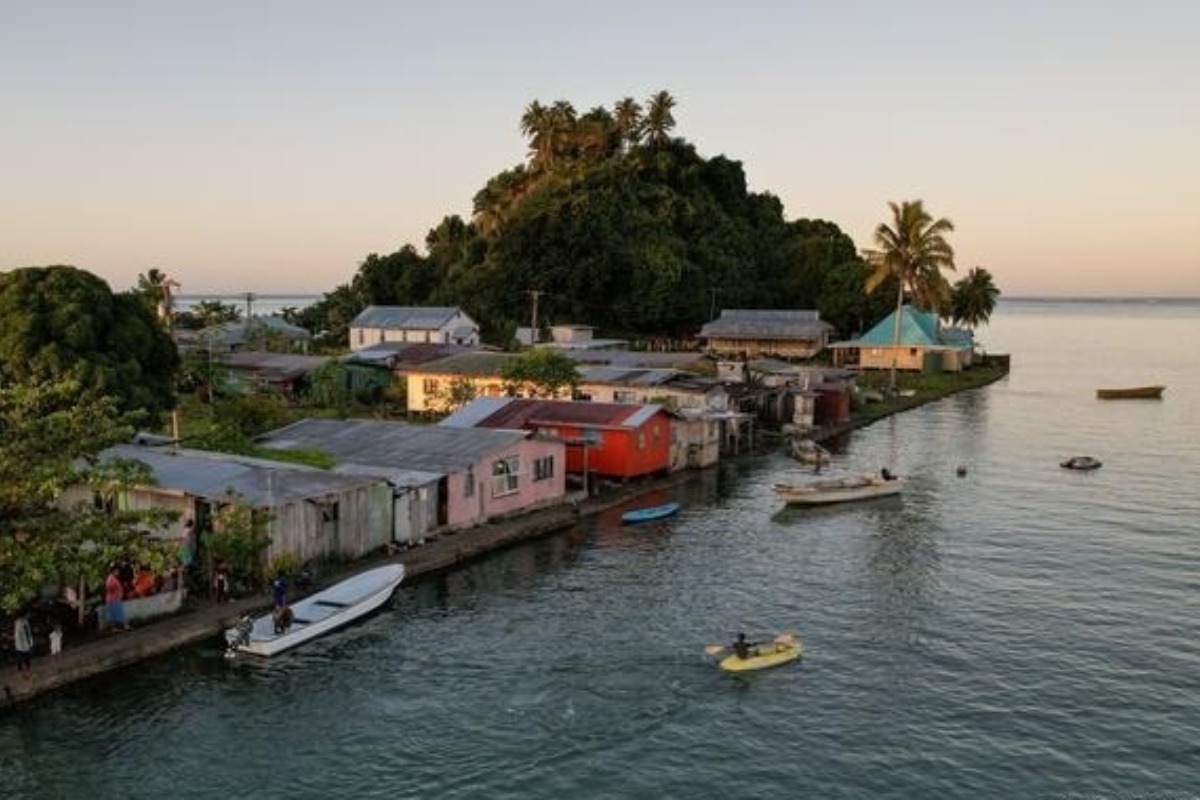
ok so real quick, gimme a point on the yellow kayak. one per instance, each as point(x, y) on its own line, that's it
point(783, 649)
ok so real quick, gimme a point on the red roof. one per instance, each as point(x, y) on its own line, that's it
point(519, 413)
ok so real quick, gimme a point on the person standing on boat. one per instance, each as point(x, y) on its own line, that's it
point(279, 590)
point(741, 647)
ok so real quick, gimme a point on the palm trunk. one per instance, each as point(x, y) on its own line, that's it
point(896, 337)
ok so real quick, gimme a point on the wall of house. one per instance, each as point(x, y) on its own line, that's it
point(622, 452)
point(907, 358)
point(426, 390)
point(753, 348)
point(695, 443)
point(662, 395)
point(478, 494)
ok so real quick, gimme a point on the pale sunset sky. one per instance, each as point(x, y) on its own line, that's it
point(271, 145)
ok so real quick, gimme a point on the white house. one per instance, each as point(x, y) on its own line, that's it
point(435, 324)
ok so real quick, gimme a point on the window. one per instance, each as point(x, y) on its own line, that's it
point(624, 396)
point(592, 437)
point(469, 482)
point(641, 440)
point(361, 335)
point(543, 468)
point(551, 433)
point(430, 385)
point(506, 476)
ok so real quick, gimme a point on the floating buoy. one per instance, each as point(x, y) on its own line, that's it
point(961, 471)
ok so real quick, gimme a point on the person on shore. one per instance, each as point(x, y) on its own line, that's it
point(220, 583)
point(23, 643)
point(143, 583)
point(187, 546)
point(114, 600)
point(56, 639)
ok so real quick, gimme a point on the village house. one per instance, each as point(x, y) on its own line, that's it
point(441, 478)
point(313, 513)
point(441, 386)
point(261, 372)
point(612, 440)
point(269, 332)
point(925, 345)
point(797, 397)
point(745, 333)
point(434, 324)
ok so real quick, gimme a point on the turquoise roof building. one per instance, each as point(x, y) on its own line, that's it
point(924, 344)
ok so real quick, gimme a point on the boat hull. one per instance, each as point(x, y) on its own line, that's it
point(320, 613)
point(774, 654)
point(1133, 393)
point(844, 490)
point(649, 514)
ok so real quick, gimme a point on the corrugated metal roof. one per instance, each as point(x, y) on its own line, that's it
point(475, 412)
point(472, 363)
point(917, 329)
point(518, 413)
point(766, 324)
point(426, 448)
point(260, 482)
point(627, 376)
point(404, 317)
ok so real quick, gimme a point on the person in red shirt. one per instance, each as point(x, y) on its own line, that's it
point(114, 600)
point(143, 583)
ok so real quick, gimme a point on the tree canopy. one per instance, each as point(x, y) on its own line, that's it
point(974, 298)
point(616, 221)
point(60, 321)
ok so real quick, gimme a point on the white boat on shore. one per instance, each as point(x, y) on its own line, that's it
point(839, 490)
point(316, 614)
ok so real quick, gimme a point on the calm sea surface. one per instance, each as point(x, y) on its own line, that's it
point(1023, 631)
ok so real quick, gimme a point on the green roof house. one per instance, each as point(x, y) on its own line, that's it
point(925, 346)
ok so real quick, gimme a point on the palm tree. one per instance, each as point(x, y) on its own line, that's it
point(536, 124)
point(659, 121)
point(628, 116)
point(156, 286)
point(974, 298)
point(913, 252)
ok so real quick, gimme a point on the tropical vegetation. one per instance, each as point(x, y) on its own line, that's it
point(911, 254)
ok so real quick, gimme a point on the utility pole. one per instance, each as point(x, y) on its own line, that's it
point(535, 294)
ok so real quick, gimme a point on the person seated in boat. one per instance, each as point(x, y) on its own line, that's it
point(282, 617)
point(886, 474)
point(742, 648)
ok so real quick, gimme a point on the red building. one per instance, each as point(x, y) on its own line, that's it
point(618, 440)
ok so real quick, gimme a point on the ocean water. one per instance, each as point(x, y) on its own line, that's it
point(1022, 631)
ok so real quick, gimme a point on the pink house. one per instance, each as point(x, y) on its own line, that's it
point(442, 478)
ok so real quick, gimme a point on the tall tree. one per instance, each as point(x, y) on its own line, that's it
point(912, 251)
point(974, 298)
point(627, 115)
point(659, 120)
point(61, 321)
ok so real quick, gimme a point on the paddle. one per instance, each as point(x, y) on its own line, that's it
point(713, 649)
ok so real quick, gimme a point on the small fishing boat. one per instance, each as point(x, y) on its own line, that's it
point(1132, 393)
point(1083, 463)
point(783, 648)
point(649, 514)
point(315, 615)
point(840, 490)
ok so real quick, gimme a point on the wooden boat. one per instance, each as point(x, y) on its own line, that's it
point(316, 614)
point(1083, 463)
point(1132, 393)
point(782, 649)
point(839, 490)
point(809, 452)
point(649, 514)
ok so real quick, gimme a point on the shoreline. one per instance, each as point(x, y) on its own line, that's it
point(205, 619)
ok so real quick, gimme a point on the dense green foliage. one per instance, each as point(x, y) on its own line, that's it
point(614, 223)
point(974, 298)
point(49, 434)
point(61, 321)
point(540, 373)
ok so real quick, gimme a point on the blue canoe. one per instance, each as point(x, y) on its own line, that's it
point(649, 513)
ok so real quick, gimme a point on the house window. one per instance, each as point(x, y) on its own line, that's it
point(551, 433)
point(641, 440)
point(592, 437)
point(543, 468)
point(361, 335)
point(430, 386)
point(506, 476)
point(624, 396)
point(469, 482)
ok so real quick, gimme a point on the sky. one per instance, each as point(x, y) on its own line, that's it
point(270, 146)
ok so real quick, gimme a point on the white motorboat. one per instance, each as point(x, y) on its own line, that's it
point(839, 490)
point(316, 614)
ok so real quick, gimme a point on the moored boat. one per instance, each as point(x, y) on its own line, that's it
point(809, 452)
point(650, 513)
point(317, 614)
point(840, 490)
point(1082, 463)
point(1131, 393)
